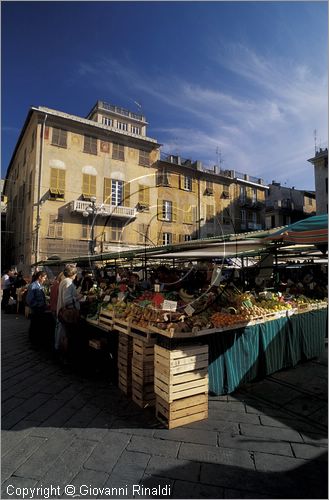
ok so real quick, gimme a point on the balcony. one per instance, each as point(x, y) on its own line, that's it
point(251, 203)
point(104, 210)
point(252, 226)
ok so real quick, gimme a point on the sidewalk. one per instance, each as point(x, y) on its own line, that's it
point(267, 440)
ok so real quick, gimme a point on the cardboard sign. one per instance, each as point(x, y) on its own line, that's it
point(189, 310)
point(169, 305)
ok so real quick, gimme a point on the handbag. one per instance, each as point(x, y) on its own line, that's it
point(69, 315)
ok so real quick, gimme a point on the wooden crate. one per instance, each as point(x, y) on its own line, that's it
point(183, 411)
point(125, 351)
point(143, 394)
point(181, 372)
point(105, 319)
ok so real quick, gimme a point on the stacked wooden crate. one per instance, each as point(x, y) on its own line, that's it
point(125, 352)
point(181, 384)
point(143, 373)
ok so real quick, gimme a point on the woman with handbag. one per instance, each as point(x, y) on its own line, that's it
point(68, 310)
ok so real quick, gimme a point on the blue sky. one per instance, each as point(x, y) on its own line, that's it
point(246, 78)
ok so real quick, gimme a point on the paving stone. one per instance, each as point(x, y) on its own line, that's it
point(47, 454)
point(304, 406)
point(287, 422)
point(232, 416)
point(271, 433)
point(211, 454)
point(122, 426)
point(267, 462)
point(23, 410)
point(10, 404)
point(11, 485)
point(46, 410)
point(233, 493)
point(164, 487)
point(88, 477)
point(187, 435)
point(68, 464)
point(21, 452)
point(251, 481)
point(106, 454)
point(10, 439)
point(214, 424)
point(229, 405)
point(128, 471)
point(310, 451)
point(255, 444)
point(83, 417)
point(184, 489)
point(172, 468)
point(315, 438)
point(320, 416)
point(153, 446)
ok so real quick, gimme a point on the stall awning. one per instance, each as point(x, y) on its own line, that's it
point(313, 230)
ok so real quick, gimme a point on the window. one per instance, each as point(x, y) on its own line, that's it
point(187, 184)
point(88, 185)
point(226, 192)
point(187, 214)
point(167, 238)
point(254, 195)
point(210, 212)
point(57, 183)
point(107, 121)
point(144, 158)
point(144, 195)
point(209, 188)
point(117, 192)
point(118, 152)
point(242, 194)
point(142, 234)
point(226, 220)
point(122, 126)
point(162, 178)
point(55, 226)
point(167, 210)
point(135, 130)
point(186, 237)
point(309, 201)
point(59, 137)
point(116, 231)
point(21, 196)
point(90, 145)
point(243, 217)
point(85, 229)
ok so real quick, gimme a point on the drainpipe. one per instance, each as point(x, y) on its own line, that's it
point(37, 237)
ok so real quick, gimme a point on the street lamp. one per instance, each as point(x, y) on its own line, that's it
point(92, 210)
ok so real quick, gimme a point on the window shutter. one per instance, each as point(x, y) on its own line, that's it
point(46, 132)
point(174, 238)
point(51, 226)
point(107, 191)
point(85, 185)
point(53, 181)
point(174, 212)
point(126, 194)
point(141, 193)
point(181, 181)
point(194, 185)
point(62, 138)
point(61, 181)
point(160, 209)
point(92, 185)
point(160, 238)
point(55, 138)
point(59, 227)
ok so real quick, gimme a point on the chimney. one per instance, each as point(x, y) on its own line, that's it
point(215, 169)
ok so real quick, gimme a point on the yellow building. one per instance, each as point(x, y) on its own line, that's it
point(90, 185)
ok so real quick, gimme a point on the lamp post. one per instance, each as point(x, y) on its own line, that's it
point(92, 210)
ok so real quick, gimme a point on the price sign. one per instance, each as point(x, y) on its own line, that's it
point(189, 310)
point(107, 298)
point(169, 305)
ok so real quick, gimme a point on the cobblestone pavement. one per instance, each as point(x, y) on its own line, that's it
point(62, 427)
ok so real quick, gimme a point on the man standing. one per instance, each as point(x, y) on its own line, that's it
point(40, 326)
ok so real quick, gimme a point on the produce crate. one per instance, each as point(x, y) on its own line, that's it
point(181, 372)
point(135, 331)
point(125, 351)
point(143, 373)
point(183, 411)
point(105, 319)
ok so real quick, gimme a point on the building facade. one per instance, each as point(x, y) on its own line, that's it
point(286, 205)
point(320, 163)
point(97, 184)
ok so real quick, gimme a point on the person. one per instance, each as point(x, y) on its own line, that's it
point(54, 293)
point(6, 286)
point(67, 297)
point(19, 280)
point(87, 281)
point(40, 326)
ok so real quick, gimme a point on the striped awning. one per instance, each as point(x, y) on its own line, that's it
point(312, 231)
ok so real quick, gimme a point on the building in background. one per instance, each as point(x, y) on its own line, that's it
point(3, 226)
point(98, 184)
point(286, 205)
point(320, 163)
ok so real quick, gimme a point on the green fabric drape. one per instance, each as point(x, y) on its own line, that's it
point(239, 356)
